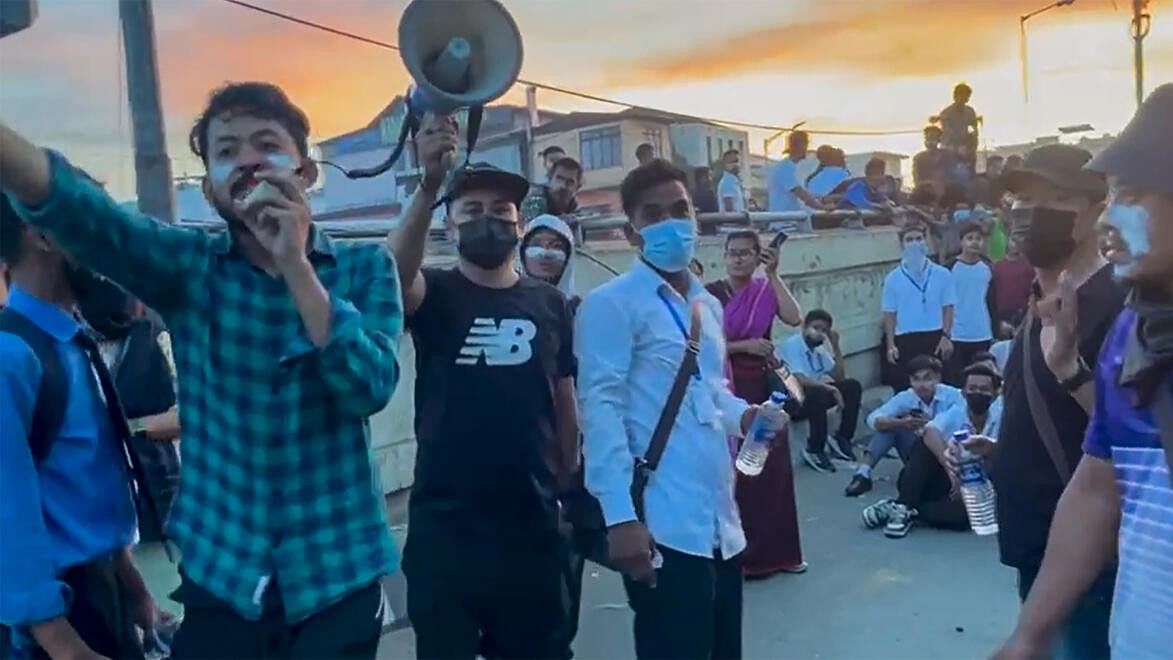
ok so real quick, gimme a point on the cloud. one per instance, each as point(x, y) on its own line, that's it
point(897, 38)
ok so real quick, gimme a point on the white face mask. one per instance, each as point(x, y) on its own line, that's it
point(539, 253)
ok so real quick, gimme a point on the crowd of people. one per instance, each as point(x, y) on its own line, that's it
point(553, 429)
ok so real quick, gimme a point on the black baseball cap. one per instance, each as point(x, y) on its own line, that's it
point(1061, 165)
point(483, 176)
point(1142, 154)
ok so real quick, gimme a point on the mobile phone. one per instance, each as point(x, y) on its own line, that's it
point(917, 414)
point(778, 240)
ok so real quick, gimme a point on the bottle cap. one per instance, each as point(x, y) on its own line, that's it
point(778, 397)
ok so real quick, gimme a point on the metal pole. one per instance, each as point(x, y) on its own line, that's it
point(152, 167)
point(1141, 22)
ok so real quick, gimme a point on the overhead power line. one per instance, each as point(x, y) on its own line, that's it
point(563, 90)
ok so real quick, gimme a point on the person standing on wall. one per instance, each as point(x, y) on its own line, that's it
point(751, 304)
point(917, 302)
point(495, 422)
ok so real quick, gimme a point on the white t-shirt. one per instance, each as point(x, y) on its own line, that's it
point(813, 363)
point(957, 418)
point(919, 306)
point(971, 315)
point(783, 180)
point(1001, 352)
point(730, 186)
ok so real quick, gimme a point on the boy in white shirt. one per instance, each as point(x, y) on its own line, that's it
point(917, 304)
point(973, 280)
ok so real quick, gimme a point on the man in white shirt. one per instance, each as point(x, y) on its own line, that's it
point(901, 420)
point(679, 565)
point(928, 488)
point(917, 303)
point(785, 191)
point(973, 279)
point(730, 193)
point(823, 377)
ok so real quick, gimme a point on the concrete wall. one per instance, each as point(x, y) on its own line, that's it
point(840, 271)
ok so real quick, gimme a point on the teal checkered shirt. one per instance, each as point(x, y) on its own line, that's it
point(278, 480)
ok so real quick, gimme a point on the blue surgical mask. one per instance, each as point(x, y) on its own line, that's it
point(962, 215)
point(669, 244)
point(915, 254)
point(1132, 222)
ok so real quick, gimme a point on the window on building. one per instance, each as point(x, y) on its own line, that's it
point(600, 148)
point(655, 137)
point(740, 146)
point(709, 148)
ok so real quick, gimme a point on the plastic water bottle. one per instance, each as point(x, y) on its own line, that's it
point(976, 490)
point(768, 421)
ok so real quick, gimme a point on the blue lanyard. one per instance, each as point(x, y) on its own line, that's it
point(924, 290)
point(679, 324)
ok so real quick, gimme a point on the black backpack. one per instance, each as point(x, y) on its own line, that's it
point(53, 392)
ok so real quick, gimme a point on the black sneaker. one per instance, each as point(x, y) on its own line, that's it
point(843, 449)
point(818, 461)
point(899, 521)
point(858, 486)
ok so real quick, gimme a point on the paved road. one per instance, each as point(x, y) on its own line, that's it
point(930, 595)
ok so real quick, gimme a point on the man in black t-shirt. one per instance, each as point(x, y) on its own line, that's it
point(1056, 206)
point(495, 424)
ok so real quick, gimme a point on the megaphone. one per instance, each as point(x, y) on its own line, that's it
point(16, 15)
point(460, 54)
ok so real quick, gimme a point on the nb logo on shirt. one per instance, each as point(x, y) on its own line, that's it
point(503, 344)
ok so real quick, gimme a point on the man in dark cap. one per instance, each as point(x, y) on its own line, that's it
point(495, 423)
point(1048, 391)
point(1120, 501)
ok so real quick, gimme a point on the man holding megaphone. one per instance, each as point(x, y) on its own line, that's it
point(495, 422)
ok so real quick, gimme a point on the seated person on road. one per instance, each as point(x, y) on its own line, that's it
point(901, 420)
point(822, 374)
point(928, 488)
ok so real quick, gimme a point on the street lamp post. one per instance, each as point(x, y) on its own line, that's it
point(770, 140)
point(1141, 22)
point(1022, 43)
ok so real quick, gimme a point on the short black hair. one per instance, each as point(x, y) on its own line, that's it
point(11, 232)
point(819, 315)
point(924, 363)
point(255, 99)
point(969, 227)
point(568, 164)
point(875, 164)
point(552, 149)
point(983, 370)
point(797, 137)
point(734, 152)
point(645, 148)
point(934, 129)
point(962, 92)
point(983, 356)
point(744, 235)
point(912, 227)
point(646, 176)
point(994, 158)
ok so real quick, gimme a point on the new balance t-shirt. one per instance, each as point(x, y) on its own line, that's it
point(486, 363)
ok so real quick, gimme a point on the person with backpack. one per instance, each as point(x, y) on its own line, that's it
point(70, 586)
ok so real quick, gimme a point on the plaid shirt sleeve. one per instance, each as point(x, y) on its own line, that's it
point(359, 362)
point(151, 260)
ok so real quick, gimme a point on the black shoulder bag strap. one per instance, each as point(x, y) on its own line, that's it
point(53, 391)
point(644, 467)
point(1038, 405)
point(1163, 415)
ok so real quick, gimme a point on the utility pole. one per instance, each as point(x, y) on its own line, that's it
point(1141, 22)
point(152, 167)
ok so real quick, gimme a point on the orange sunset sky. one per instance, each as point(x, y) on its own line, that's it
point(854, 64)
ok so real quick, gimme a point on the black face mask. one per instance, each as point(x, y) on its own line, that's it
point(1045, 234)
point(486, 242)
point(979, 402)
point(103, 304)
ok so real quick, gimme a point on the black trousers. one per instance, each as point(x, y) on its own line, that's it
point(693, 612)
point(503, 606)
point(212, 629)
point(924, 486)
point(100, 612)
point(910, 345)
point(819, 401)
point(963, 353)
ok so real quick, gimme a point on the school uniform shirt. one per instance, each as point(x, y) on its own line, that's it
point(780, 186)
point(957, 419)
point(486, 364)
point(918, 303)
point(1128, 435)
point(971, 314)
point(630, 338)
point(730, 186)
point(906, 401)
point(814, 363)
point(826, 180)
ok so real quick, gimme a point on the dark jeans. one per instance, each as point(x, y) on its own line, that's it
point(1085, 635)
point(910, 345)
point(504, 607)
point(924, 486)
point(99, 610)
point(212, 629)
point(693, 612)
point(963, 353)
point(819, 401)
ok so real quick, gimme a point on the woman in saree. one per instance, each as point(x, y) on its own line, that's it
point(768, 511)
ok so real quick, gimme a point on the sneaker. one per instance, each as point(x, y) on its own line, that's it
point(797, 569)
point(899, 521)
point(843, 449)
point(858, 486)
point(876, 515)
point(818, 461)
